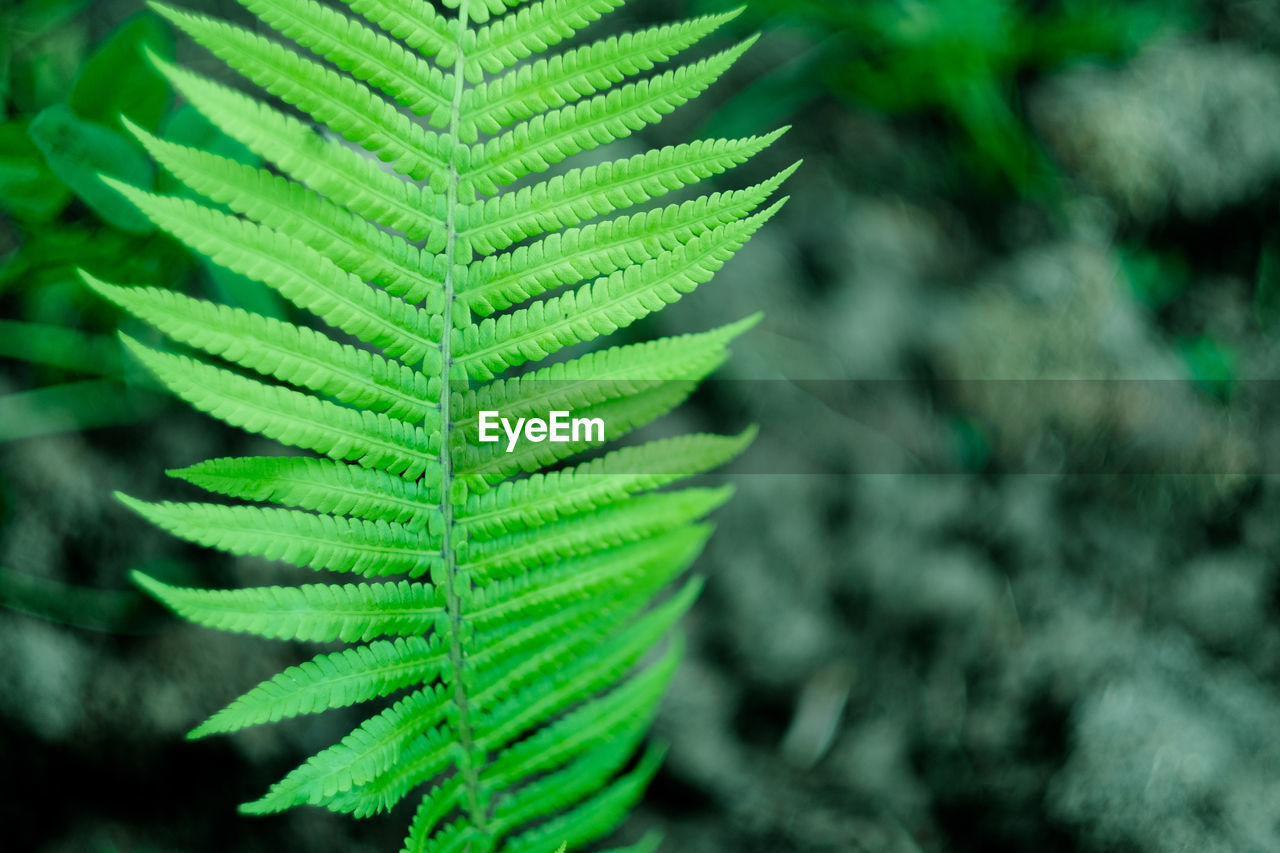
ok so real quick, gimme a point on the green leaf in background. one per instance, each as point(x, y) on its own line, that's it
point(1212, 365)
point(28, 189)
point(78, 150)
point(43, 46)
point(43, 272)
point(772, 98)
point(1266, 292)
point(1102, 29)
point(1155, 278)
point(970, 443)
point(50, 255)
point(58, 346)
point(116, 79)
point(109, 610)
point(999, 138)
point(35, 18)
point(72, 407)
point(962, 59)
point(6, 75)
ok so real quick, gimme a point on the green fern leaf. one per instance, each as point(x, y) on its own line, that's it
point(340, 103)
point(609, 527)
point(568, 77)
point(313, 541)
point(289, 353)
point(600, 308)
point(492, 225)
point(294, 418)
point(319, 612)
point(332, 680)
point(500, 281)
point(365, 754)
point(521, 504)
point(537, 595)
point(320, 485)
point(518, 622)
point(326, 166)
point(352, 243)
point(551, 137)
point(531, 30)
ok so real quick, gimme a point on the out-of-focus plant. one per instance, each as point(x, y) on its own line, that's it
point(964, 59)
point(1212, 365)
point(115, 611)
point(1156, 279)
point(1266, 293)
point(60, 108)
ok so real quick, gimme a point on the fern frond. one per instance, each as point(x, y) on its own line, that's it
point(633, 520)
point(317, 612)
point(434, 809)
point(522, 504)
point(624, 385)
point(300, 420)
point(417, 24)
point(326, 166)
point(594, 818)
point(600, 376)
point(519, 621)
point(300, 274)
point(320, 485)
point(557, 685)
point(311, 541)
point(549, 83)
point(553, 626)
point(345, 106)
point(364, 754)
point(600, 308)
point(563, 787)
point(582, 194)
point(634, 702)
point(299, 356)
point(353, 244)
point(500, 281)
point(570, 784)
point(561, 685)
point(530, 30)
point(552, 137)
point(420, 760)
point(332, 680)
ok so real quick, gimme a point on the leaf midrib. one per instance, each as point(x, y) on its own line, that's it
point(453, 602)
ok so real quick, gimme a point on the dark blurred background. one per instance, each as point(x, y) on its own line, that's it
point(1001, 572)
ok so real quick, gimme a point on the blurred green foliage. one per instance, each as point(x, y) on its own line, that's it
point(1212, 364)
point(113, 611)
point(60, 106)
point(1156, 279)
point(966, 63)
point(1266, 300)
point(963, 59)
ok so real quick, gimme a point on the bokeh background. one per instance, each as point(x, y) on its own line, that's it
point(1001, 572)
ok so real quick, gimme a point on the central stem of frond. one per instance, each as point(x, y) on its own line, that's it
point(457, 585)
